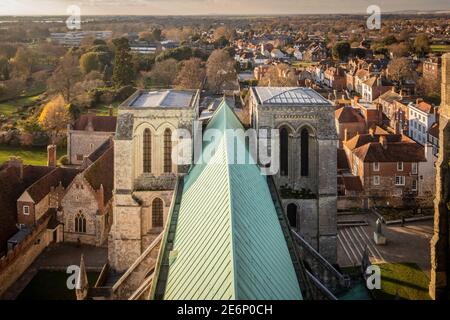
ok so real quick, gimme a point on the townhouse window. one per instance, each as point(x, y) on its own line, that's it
point(26, 210)
point(376, 180)
point(399, 166)
point(414, 185)
point(376, 166)
point(414, 168)
point(400, 180)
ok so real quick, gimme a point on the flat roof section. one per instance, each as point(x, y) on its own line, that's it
point(163, 99)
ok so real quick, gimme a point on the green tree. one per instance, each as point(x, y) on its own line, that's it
point(422, 44)
point(341, 50)
point(123, 73)
point(89, 62)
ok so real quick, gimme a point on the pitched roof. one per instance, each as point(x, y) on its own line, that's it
point(101, 173)
point(348, 115)
point(228, 242)
point(42, 187)
point(393, 152)
point(342, 161)
point(434, 130)
point(351, 183)
point(297, 96)
point(92, 122)
point(11, 187)
point(424, 107)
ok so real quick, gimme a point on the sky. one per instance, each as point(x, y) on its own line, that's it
point(208, 7)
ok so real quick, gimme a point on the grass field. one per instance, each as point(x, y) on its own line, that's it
point(8, 108)
point(440, 48)
point(34, 155)
point(404, 281)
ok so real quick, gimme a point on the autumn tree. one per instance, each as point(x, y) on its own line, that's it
point(163, 73)
point(220, 71)
point(191, 75)
point(54, 117)
point(280, 75)
point(65, 77)
point(399, 49)
point(224, 32)
point(123, 73)
point(400, 69)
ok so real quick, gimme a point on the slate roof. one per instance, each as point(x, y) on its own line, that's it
point(98, 123)
point(351, 183)
point(434, 130)
point(228, 242)
point(297, 96)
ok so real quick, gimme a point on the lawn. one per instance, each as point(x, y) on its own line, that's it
point(30, 155)
point(9, 107)
point(51, 285)
point(405, 281)
point(103, 110)
point(440, 48)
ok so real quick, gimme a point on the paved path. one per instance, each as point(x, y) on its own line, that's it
point(59, 257)
point(410, 243)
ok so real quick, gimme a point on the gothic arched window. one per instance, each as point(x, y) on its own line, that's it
point(157, 213)
point(304, 153)
point(147, 151)
point(167, 151)
point(284, 152)
point(80, 223)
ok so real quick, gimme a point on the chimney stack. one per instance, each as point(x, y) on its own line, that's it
point(16, 162)
point(372, 132)
point(110, 109)
point(51, 155)
point(345, 135)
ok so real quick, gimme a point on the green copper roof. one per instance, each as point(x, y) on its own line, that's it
point(228, 242)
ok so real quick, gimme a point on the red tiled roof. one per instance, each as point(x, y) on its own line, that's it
point(99, 123)
point(393, 152)
point(351, 183)
point(348, 114)
point(11, 188)
point(42, 187)
point(101, 172)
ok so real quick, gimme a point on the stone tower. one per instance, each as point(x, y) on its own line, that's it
point(307, 157)
point(440, 249)
point(145, 174)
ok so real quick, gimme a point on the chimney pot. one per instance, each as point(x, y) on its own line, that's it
point(51, 155)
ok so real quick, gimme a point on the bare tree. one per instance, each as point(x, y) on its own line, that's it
point(280, 75)
point(65, 77)
point(192, 74)
point(400, 69)
point(220, 71)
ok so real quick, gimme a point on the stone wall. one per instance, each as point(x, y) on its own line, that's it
point(83, 143)
point(22, 256)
